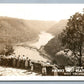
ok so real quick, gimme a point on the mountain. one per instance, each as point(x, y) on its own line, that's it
point(19, 30)
point(58, 27)
point(14, 30)
point(40, 25)
point(54, 45)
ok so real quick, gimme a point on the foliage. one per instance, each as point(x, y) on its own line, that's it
point(9, 50)
point(6, 49)
point(53, 46)
point(72, 36)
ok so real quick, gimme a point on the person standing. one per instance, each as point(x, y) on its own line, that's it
point(11, 61)
point(30, 66)
point(18, 61)
point(26, 63)
point(0, 60)
point(44, 71)
point(23, 62)
point(14, 61)
point(8, 61)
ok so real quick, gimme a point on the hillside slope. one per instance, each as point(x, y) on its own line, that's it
point(15, 30)
point(40, 25)
point(19, 30)
point(54, 45)
point(58, 27)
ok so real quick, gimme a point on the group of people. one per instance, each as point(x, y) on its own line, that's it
point(24, 62)
point(16, 62)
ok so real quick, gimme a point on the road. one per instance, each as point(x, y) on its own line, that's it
point(7, 71)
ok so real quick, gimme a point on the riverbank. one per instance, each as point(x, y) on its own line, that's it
point(44, 37)
point(32, 50)
point(31, 53)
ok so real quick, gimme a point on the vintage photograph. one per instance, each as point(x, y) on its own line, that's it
point(41, 39)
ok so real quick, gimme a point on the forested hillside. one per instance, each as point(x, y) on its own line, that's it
point(54, 45)
point(13, 30)
point(58, 27)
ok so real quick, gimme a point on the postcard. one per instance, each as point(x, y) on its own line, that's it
point(41, 41)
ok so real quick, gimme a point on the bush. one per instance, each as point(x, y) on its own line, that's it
point(6, 49)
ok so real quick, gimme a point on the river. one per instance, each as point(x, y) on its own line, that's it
point(32, 53)
point(43, 39)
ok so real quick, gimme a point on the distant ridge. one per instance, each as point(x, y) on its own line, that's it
point(58, 27)
point(19, 30)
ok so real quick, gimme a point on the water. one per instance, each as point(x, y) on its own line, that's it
point(33, 53)
point(43, 39)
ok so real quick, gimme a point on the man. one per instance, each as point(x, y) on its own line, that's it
point(18, 61)
point(26, 63)
point(1, 60)
point(44, 71)
point(23, 62)
point(14, 61)
point(30, 66)
point(11, 61)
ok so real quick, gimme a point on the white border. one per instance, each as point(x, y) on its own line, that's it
point(42, 78)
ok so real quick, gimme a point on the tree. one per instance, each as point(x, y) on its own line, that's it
point(9, 50)
point(73, 36)
point(6, 49)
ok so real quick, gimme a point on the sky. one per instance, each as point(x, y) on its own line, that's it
point(53, 12)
